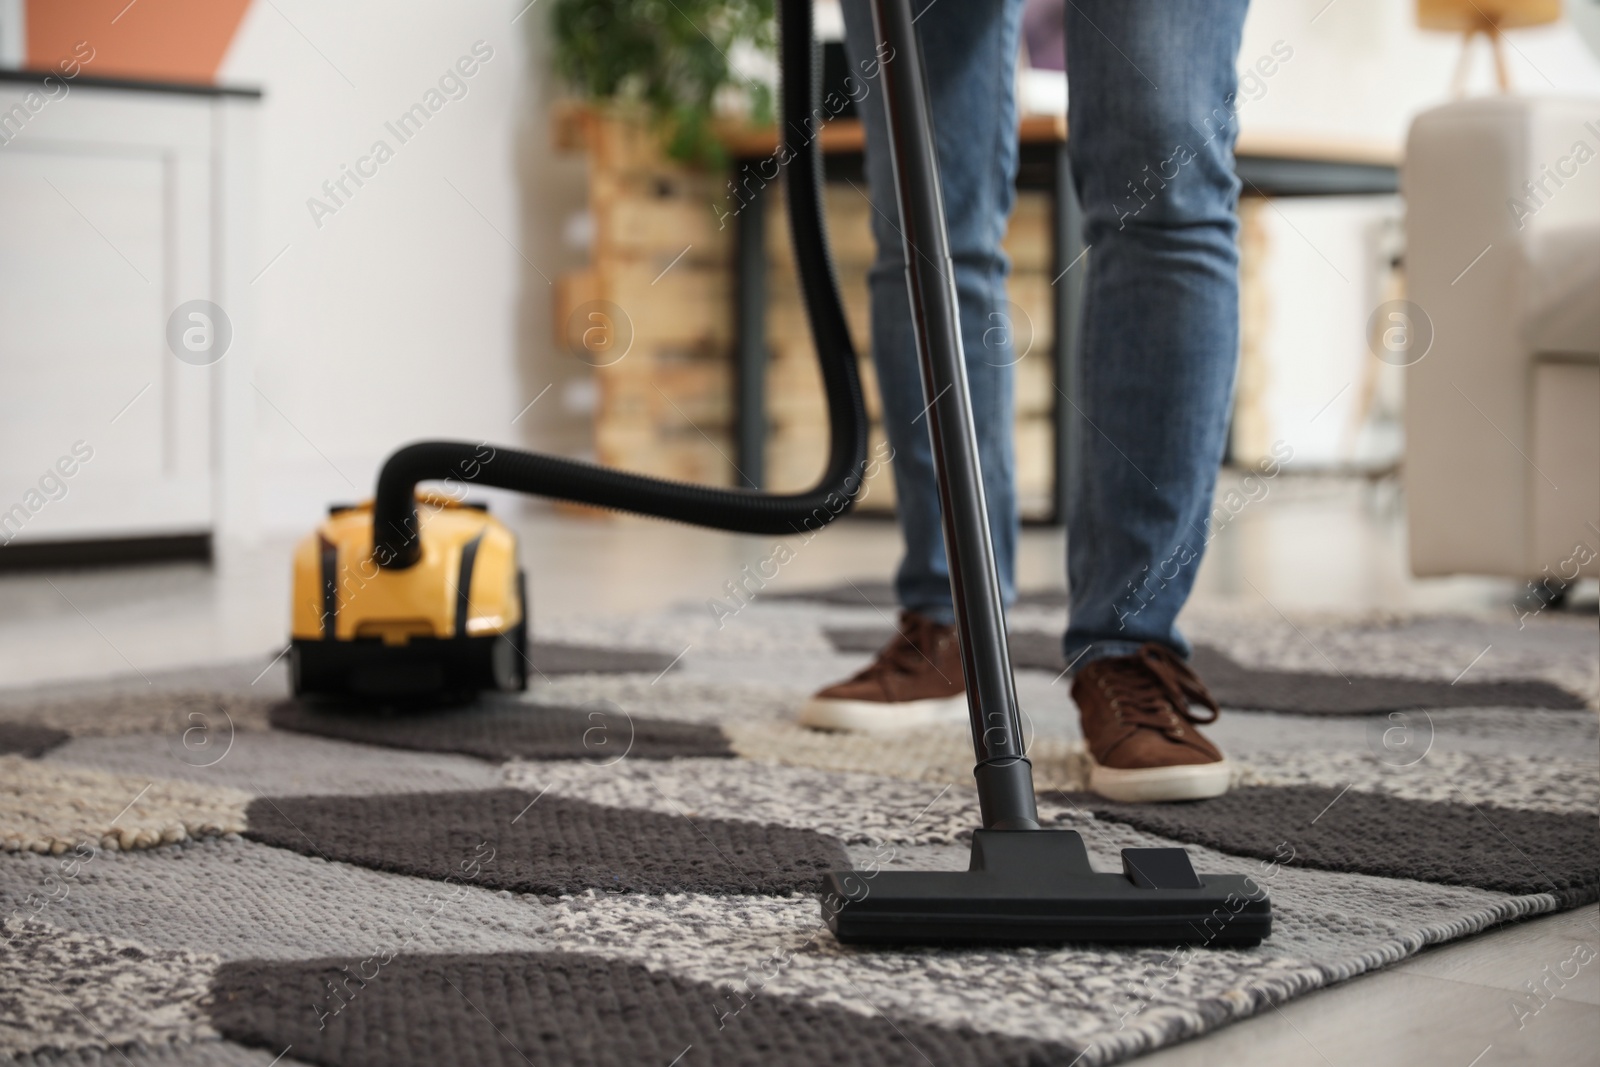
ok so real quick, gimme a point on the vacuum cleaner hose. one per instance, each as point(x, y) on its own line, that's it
point(396, 537)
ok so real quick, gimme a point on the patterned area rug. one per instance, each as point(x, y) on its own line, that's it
point(619, 867)
point(1267, 689)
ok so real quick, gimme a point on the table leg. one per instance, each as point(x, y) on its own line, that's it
point(750, 342)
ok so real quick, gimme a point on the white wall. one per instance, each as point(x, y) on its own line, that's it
point(1362, 69)
point(1307, 377)
point(417, 308)
point(13, 33)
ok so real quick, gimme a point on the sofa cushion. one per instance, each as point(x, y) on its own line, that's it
point(1561, 291)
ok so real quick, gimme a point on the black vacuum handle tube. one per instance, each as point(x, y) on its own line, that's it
point(1004, 775)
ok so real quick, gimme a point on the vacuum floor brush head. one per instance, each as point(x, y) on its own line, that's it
point(1031, 886)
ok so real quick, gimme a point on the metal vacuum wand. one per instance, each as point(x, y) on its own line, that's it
point(1003, 772)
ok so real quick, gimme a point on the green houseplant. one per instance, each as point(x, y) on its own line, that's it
point(669, 56)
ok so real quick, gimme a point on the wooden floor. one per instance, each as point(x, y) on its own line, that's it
point(1464, 1004)
point(1311, 544)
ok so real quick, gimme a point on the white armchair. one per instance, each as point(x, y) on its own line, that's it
point(1502, 463)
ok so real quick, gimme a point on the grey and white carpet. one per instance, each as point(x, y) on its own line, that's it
point(620, 866)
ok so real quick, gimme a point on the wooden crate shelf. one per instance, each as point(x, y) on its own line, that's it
point(653, 316)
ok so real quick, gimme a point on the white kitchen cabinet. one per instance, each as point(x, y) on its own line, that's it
point(119, 204)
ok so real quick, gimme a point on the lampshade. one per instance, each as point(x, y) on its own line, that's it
point(1464, 15)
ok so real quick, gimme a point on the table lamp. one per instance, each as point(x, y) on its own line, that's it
point(1488, 17)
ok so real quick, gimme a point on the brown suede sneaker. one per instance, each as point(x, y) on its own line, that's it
point(915, 680)
point(1138, 718)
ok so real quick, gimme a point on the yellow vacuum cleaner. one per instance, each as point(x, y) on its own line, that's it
point(453, 621)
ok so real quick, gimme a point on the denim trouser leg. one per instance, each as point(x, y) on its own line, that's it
point(970, 49)
point(1152, 130)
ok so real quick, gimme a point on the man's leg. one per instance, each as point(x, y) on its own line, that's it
point(970, 49)
point(1152, 128)
point(1152, 124)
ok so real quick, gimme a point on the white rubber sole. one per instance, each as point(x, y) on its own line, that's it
point(873, 717)
point(1153, 785)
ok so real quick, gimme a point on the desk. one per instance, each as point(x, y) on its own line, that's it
point(1267, 166)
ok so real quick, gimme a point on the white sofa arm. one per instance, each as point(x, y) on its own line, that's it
point(1497, 189)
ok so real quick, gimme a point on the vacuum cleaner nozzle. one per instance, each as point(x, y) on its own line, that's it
point(1033, 886)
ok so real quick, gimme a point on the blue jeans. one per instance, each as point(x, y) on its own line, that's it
point(1151, 110)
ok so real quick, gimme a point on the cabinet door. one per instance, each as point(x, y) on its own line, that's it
point(104, 221)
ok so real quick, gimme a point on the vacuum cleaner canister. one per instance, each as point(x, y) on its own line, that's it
point(455, 622)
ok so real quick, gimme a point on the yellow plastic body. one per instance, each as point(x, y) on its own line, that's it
point(419, 601)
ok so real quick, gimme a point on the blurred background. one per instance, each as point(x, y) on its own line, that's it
point(251, 246)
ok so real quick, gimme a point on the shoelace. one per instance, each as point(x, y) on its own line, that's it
point(1156, 688)
point(909, 651)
